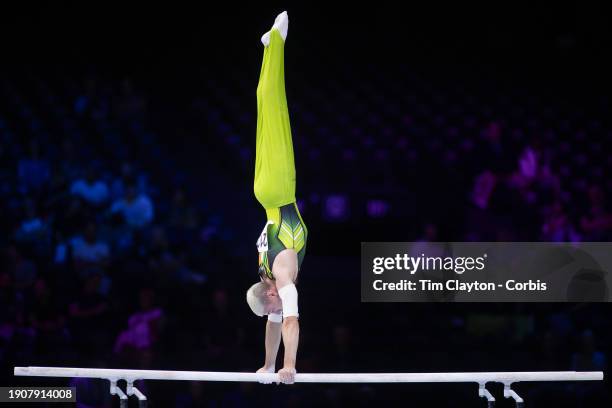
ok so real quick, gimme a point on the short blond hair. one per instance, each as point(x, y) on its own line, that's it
point(256, 298)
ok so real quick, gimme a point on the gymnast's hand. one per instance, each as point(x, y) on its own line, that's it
point(287, 375)
point(266, 369)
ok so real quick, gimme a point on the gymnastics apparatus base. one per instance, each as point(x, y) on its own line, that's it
point(481, 378)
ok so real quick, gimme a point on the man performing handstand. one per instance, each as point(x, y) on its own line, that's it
point(282, 243)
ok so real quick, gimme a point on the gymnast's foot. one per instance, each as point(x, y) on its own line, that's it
point(281, 23)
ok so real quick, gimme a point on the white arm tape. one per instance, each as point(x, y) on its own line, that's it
point(275, 317)
point(289, 297)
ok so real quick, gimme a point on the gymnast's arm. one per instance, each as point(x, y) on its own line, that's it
point(273, 337)
point(291, 336)
point(290, 327)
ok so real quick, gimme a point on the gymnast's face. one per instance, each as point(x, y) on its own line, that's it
point(273, 301)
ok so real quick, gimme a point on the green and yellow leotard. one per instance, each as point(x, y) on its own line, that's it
point(274, 185)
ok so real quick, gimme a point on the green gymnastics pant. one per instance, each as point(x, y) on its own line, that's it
point(274, 164)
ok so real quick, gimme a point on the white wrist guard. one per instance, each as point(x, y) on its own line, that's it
point(289, 297)
point(275, 317)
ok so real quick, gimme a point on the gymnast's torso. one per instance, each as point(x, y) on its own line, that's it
point(284, 229)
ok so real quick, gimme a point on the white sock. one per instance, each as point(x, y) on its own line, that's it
point(281, 23)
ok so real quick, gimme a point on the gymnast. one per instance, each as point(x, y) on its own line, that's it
point(282, 243)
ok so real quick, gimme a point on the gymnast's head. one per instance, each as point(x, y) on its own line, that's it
point(263, 298)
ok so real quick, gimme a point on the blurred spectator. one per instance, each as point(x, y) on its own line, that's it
point(88, 250)
point(91, 188)
point(62, 250)
point(137, 209)
point(528, 165)
point(557, 225)
point(483, 188)
point(143, 326)
point(33, 228)
point(493, 150)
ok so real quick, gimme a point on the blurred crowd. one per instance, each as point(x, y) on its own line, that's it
point(108, 258)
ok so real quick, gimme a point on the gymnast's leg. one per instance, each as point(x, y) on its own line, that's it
point(274, 184)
